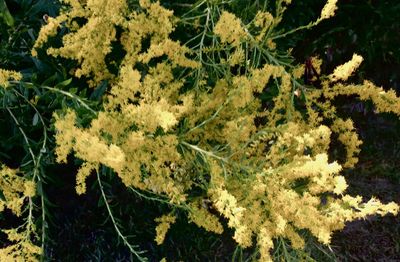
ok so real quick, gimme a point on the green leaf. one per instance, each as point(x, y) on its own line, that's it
point(5, 13)
point(99, 91)
point(50, 80)
point(64, 83)
point(73, 90)
point(35, 119)
point(39, 188)
point(100, 203)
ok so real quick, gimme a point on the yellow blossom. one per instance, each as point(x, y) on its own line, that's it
point(13, 186)
point(343, 72)
point(229, 29)
point(340, 185)
point(265, 244)
point(6, 75)
point(236, 57)
point(48, 30)
point(329, 9)
point(203, 218)
point(243, 236)
point(30, 188)
point(83, 172)
point(163, 227)
point(163, 135)
point(324, 237)
point(298, 71)
point(16, 189)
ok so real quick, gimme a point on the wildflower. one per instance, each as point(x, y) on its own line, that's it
point(30, 188)
point(329, 9)
point(6, 75)
point(48, 30)
point(343, 72)
point(229, 29)
point(340, 185)
point(162, 228)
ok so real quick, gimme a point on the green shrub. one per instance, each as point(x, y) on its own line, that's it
point(201, 112)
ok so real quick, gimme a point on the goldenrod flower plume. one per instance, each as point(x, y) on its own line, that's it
point(343, 72)
point(329, 9)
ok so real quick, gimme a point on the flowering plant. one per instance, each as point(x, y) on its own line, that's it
point(183, 119)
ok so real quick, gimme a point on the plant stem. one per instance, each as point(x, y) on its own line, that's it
point(124, 239)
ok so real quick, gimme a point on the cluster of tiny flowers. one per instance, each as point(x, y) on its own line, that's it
point(329, 9)
point(265, 179)
point(343, 72)
point(16, 190)
point(7, 75)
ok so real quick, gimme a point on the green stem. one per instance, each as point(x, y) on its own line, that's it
point(36, 163)
point(207, 120)
point(157, 199)
point(70, 95)
point(36, 169)
point(296, 29)
point(124, 239)
point(202, 151)
point(56, 90)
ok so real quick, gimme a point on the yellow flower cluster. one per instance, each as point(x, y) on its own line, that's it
point(163, 227)
point(157, 135)
point(343, 72)
point(22, 248)
point(263, 20)
point(384, 101)
point(229, 29)
point(227, 205)
point(285, 197)
point(329, 9)
point(91, 43)
point(172, 49)
point(236, 57)
point(6, 75)
point(202, 218)
point(48, 30)
point(122, 137)
point(16, 189)
point(349, 138)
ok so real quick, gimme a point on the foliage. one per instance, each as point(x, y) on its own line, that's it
point(215, 124)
